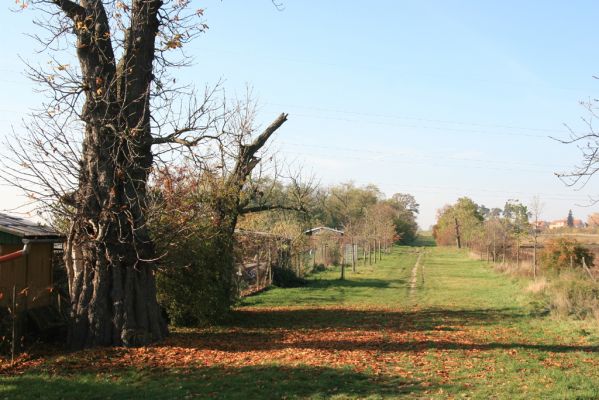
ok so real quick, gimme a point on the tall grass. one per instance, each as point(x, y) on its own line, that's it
point(573, 294)
point(567, 294)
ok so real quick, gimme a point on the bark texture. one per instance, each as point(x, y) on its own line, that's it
point(110, 257)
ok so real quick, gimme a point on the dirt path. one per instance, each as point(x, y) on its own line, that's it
point(418, 266)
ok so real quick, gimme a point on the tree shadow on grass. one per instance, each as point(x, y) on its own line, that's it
point(330, 291)
point(358, 283)
point(344, 317)
point(268, 341)
point(258, 330)
point(252, 382)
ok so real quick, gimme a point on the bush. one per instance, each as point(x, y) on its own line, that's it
point(319, 268)
point(405, 230)
point(194, 282)
point(286, 278)
point(574, 295)
point(559, 254)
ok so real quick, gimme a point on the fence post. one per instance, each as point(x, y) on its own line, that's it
point(354, 251)
point(518, 252)
point(13, 345)
point(342, 261)
point(269, 277)
point(584, 265)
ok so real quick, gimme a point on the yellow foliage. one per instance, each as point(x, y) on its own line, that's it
point(174, 42)
point(80, 26)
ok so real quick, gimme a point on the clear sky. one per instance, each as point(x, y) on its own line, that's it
point(439, 99)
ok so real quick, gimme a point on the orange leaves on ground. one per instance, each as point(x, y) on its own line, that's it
point(375, 341)
point(23, 363)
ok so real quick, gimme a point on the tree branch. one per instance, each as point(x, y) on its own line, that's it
point(70, 8)
point(250, 150)
point(270, 207)
point(247, 160)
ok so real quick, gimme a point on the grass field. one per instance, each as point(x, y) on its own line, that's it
point(424, 322)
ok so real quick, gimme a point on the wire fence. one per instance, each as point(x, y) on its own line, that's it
point(258, 254)
point(526, 259)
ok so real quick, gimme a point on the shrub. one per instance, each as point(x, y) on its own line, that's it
point(574, 295)
point(405, 229)
point(319, 268)
point(559, 254)
point(194, 281)
point(286, 278)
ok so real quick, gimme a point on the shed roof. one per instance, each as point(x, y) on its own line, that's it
point(323, 228)
point(26, 229)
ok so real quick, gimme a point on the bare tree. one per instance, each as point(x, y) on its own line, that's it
point(588, 143)
point(536, 208)
point(242, 176)
point(104, 125)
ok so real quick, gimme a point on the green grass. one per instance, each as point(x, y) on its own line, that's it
point(454, 329)
point(262, 382)
point(385, 282)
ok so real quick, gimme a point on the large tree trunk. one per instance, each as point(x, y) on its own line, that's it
point(113, 291)
point(110, 255)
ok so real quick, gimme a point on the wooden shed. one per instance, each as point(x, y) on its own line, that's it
point(326, 245)
point(26, 254)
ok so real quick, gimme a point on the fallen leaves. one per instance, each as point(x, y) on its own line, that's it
point(375, 341)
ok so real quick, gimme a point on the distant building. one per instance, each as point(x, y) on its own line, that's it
point(541, 225)
point(563, 223)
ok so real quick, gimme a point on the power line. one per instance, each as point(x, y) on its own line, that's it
point(433, 157)
point(461, 191)
point(420, 119)
point(442, 129)
point(433, 164)
point(389, 67)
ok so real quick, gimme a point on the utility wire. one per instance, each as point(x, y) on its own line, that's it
point(406, 154)
point(420, 119)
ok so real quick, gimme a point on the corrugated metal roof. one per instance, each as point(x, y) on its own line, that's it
point(323, 228)
point(26, 229)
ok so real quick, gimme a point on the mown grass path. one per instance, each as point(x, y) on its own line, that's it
point(459, 331)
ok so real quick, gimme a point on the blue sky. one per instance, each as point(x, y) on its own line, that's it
point(440, 99)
